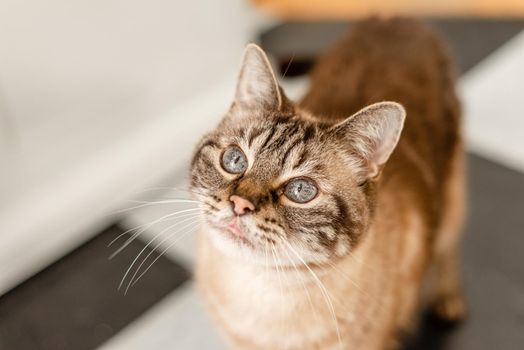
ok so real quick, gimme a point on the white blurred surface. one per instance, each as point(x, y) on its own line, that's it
point(493, 98)
point(99, 99)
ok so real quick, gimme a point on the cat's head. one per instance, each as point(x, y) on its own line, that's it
point(276, 183)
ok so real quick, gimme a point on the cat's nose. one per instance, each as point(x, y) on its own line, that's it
point(241, 205)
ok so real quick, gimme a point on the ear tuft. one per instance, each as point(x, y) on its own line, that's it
point(257, 86)
point(373, 134)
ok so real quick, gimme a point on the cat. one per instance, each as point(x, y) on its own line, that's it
point(323, 220)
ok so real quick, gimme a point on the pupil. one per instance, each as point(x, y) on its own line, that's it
point(299, 188)
point(237, 158)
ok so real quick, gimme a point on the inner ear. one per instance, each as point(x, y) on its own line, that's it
point(372, 134)
point(257, 86)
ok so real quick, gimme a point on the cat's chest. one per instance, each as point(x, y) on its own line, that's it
point(275, 309)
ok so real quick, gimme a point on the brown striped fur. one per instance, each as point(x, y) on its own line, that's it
point(345, 270)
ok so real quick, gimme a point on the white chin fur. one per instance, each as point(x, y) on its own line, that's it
point(258, 255)
point(232, 249)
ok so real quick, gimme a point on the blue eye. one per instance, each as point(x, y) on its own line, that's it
point(234, 160)
point(300, 190)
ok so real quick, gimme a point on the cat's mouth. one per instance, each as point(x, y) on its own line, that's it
point(236, 231)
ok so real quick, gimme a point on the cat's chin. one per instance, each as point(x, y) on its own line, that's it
point(235, 246)
point(240, 248)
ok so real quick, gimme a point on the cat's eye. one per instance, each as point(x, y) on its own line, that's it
point(300, 190)
point(234, 161)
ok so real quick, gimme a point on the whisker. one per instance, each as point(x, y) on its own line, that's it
point(288, 65)
point(137, 227)
point(278, 270)
point(161, 254)
point(333, 266)
point(322, 288)
point(138, 233)
point(190, 191)
point(192, 217)
point(343, 274)
point(267, 258)
point(278, 273)
point(157, 246)
point(350, 280)
point(299, 275)
point(146, 204)
point(168, 188)
point(284, 273)
point(166, 201)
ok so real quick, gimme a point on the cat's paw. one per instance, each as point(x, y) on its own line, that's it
point(450, 308)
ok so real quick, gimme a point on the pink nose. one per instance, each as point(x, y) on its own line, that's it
point(241, 205)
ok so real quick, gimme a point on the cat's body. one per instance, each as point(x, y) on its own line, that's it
point(404, 218)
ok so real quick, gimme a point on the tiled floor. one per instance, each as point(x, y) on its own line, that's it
point(75, 304)
point(177, 322)
point(493, 263)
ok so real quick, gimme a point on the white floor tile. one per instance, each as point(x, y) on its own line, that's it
point(493, 99)
point(177, 322)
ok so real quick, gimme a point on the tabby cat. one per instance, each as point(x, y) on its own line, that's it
point(321, 223)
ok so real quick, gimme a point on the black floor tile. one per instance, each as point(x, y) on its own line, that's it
point(74, 304)
point(493, 266)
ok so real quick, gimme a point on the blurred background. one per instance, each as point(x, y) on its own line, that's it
point(101, 103)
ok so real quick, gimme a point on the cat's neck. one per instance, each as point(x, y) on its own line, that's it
point(291, 276)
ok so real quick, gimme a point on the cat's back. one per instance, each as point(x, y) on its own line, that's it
point(399, 60)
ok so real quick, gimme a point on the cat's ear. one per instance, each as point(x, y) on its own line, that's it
point(372, 133)
point(257, 86)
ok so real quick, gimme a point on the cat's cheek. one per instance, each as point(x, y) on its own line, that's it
point(342, 247)
point(220, 218)
point(309, 250)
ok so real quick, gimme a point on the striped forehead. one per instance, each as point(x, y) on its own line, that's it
point(284, 148)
